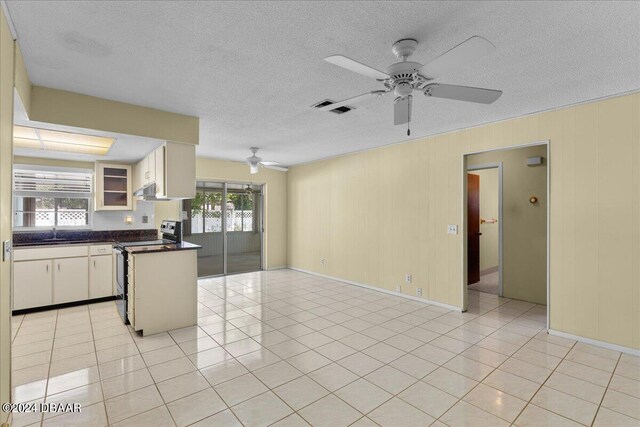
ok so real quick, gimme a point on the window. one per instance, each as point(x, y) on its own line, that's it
point(51, 198)
point(240, 211)
point(205, 211)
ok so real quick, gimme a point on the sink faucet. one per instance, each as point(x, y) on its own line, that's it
point(55, 232)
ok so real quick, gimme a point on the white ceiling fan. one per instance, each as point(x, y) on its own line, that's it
point(255, 162)
point(403, 77)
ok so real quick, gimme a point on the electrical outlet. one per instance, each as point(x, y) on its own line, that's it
point(399, 289)
point(407, 278)
point(419, 292)
point(452, 229)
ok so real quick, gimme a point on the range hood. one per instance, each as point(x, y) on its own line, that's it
point(148, 193)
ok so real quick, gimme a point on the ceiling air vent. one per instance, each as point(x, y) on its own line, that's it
point(339, 110)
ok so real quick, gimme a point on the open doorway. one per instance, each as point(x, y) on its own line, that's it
point(506, 212)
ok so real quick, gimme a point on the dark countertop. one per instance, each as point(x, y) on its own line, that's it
point(67, 237)
point(168, 247)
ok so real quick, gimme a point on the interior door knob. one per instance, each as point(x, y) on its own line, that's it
point(479, 234)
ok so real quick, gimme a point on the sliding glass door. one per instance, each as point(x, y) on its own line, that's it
point(243, 222)
point(226, 220)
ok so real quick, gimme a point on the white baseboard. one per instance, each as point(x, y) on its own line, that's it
point(283, 267)
point(603, 344)
point(375, 288)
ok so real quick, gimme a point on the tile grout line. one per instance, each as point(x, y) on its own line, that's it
point(606, 389)
point(364, 300)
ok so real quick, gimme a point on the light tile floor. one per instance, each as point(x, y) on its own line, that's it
point(284, 348)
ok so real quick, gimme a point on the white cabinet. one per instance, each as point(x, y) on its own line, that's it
point(113, 184)
point(179, 172)
point(159, 167)
point(71, 280)
point(48, 275)
point(139, 175)
point(32, 284)
point(100, 276)
point(172, 168)
point(145, 171)
point(162, 292)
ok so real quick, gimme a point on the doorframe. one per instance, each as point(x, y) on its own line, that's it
point(485, 166)
point(465, 294)
point(224, 228)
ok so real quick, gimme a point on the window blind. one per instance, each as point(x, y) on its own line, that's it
point(51, 182)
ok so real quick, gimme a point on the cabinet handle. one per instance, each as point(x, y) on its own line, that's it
point(94, 264)
point(58, 266)
point(47, 268)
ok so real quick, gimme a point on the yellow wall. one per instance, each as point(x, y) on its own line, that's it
point(376, 215)
point(77, 110)
point(488, 210)
point(524, 225)
point(275, 217)
point(22, 82)
point(7, 47)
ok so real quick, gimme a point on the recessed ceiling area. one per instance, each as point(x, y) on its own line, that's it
point(47, 140)
point(123, 148)
point(252, 70)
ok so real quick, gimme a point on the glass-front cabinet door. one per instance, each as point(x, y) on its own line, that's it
point(113, 187)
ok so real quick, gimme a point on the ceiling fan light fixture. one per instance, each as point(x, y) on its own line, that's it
point(253, 168)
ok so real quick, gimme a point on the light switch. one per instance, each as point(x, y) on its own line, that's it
point(452, 229)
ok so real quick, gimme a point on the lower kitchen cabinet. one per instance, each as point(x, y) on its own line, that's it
point(100, 276)
point(71, 280)
point(37, 276)
point(49, 275)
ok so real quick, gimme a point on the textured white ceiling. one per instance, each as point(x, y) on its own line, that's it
point(251, 70)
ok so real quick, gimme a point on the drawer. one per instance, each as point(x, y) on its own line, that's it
point(28, 254)
point(105, 249)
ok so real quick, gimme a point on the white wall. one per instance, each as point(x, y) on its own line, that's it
point(115, 220)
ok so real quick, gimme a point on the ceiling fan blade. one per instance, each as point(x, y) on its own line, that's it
point(278, 168)
point(355, 99)
point(266, 163)
point(356, 67)
point(462, 93)
point(464, 53)
point(402, 110)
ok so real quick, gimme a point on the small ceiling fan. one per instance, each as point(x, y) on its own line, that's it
point(403, 77)
point(255, 162)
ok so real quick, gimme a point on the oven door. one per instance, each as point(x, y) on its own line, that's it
point(121, 282)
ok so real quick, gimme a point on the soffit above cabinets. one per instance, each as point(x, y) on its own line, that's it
point(251, 70)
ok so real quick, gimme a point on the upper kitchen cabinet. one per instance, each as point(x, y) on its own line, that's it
point(168, 172)
point(113, 187)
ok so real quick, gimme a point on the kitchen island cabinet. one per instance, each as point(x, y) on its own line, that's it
point(162, 290)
